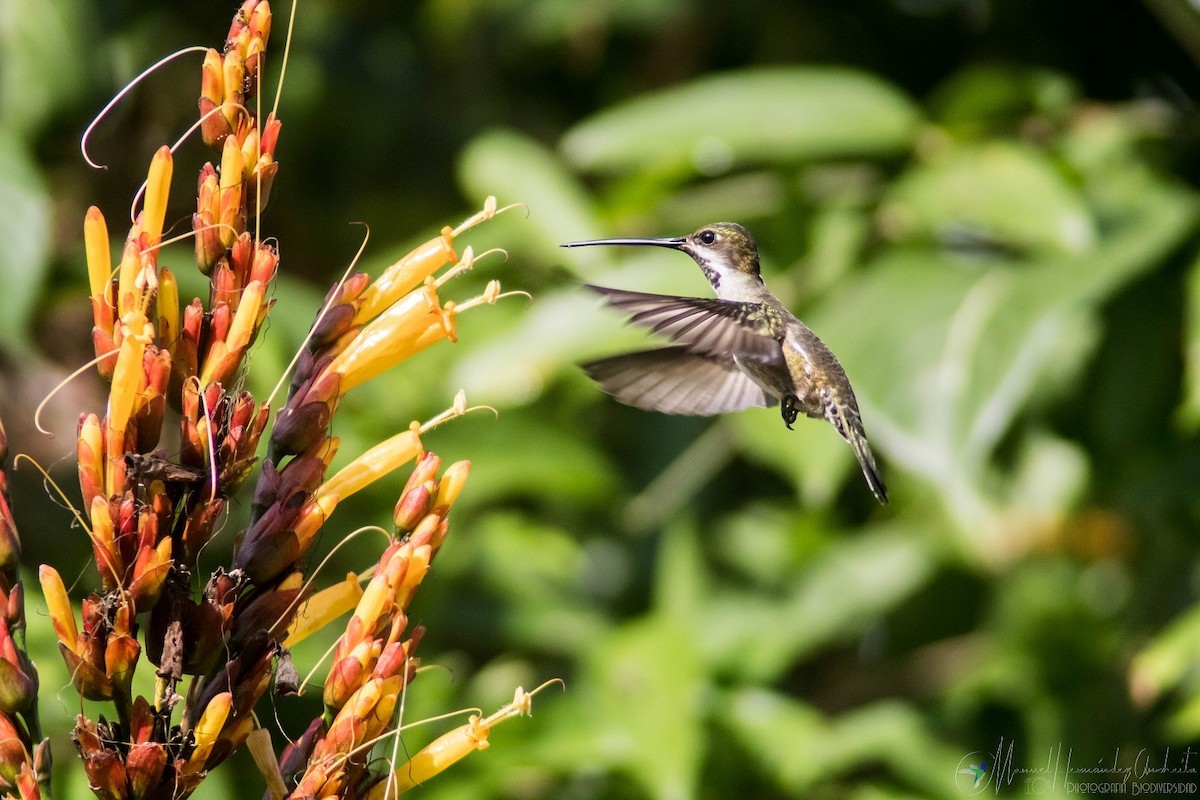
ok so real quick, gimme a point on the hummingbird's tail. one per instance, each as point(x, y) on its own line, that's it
point(866, 460)
point(843, 413)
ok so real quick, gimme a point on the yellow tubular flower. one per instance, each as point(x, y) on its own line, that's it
point(104, 541)
point(441, 753)
point(387, 340)
point(405, 275)
point(233, 74)
point(99, 256)
point(452, 483)
point(90, 449)
point(207, 730)
point(158, 187)
point(418, 566)
point(168, 308)
point(212, 78)
point(380, 593)
point(231, 190)
point(128, 376)
point(241, 330)
point(449, 748)
point(127, 272)
point(250, 152)
point(59, 607)
point(371, 466)
point(323, 608)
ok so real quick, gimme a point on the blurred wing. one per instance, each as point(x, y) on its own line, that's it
point(676, 380)
point(705, 325)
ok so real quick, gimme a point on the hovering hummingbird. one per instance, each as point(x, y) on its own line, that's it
point(742, 349)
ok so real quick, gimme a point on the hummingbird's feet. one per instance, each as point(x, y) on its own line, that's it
point(788, 406)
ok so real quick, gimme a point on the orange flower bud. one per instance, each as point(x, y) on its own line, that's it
point(150, 570)
point(216, 126)
point(347, 674)
point(144, 768)
point(120, 657)
point(106, 774)
point(412, 508)
point(425, 470)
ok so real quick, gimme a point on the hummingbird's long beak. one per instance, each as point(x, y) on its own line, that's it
point(675, 243)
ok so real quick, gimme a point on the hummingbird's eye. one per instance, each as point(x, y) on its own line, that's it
point(707, 237)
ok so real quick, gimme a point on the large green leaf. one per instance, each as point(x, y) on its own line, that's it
point(754, 115)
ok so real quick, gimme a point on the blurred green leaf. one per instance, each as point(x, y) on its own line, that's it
point(647, 680)
point(42, 60)
point(1170, 662)
point(812, 456)
point(1189, 407)
point(835, 599)
point(1000, 193)
point(525, 458)
point(992, 97)
point(25, 231)
point(527, 565)
point(520, 170)
point(754, 115)
point(800, 749)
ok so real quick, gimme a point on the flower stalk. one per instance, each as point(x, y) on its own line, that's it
point(24, 754)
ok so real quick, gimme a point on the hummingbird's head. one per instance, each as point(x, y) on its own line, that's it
point(722, 249)
point(725, 252)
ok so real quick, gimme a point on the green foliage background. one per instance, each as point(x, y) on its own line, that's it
point(988, 210)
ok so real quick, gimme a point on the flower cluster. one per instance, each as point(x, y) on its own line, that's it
point(372, 661)
point(150, 512)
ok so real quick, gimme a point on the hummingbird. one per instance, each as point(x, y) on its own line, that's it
point(740, 349)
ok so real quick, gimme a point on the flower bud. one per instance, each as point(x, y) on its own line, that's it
point(452, 483)
point(412, 508)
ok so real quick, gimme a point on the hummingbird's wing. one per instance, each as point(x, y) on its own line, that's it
point(677, 380)
point(703, 325)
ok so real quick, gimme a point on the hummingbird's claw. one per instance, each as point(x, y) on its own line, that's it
point(788, 406)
